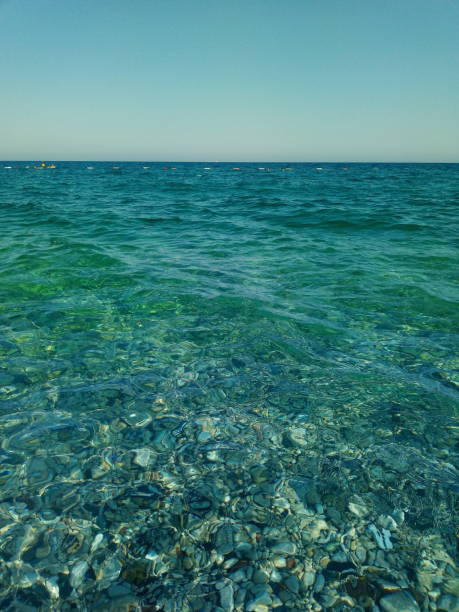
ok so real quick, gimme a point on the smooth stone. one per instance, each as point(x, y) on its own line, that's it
point(359, 509)
point(259, 603)
point(401, 601)
point(77, 574)
point(334, 515)
point(340, 557)
point(52, 585)
point(280, 562)
point(240, 597)
point(283, 548)
point(246, 551)
point(204, 436)
point(275, 576)
point(399, 516)
point(123, 604)
point(319, 583)
point(260, 577)
point(448, 603)
point(308, 579)
point(238, 575)
point(227, 598)
point(228, 564)
point(292, 583)
point(286, 596)
point(329, 599)
point(119, 590)
point(256, 589)
point(143, 457)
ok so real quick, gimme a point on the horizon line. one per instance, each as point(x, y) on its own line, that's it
point(204, 161)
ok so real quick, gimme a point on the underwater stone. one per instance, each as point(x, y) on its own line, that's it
point(143, 457)
point(292, 583)
point(78, 572)
point(137, 419)
point(401, 601)
point(238, 575)
point(382, 537)
point(227, 598)
point(118, 590)
point(448, 603)
point(319, 583)
point(308, 579)
point(260, 603)
point(224, 539)
point(204, 436)
point(127, 603)
point(358, 508)
point(284, 548)
point(96, 542)
point(260, 577)
point(52, 586)
point(38, 471)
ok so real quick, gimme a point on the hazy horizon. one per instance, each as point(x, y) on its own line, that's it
point(221, 161)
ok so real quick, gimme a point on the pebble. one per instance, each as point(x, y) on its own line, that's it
point(121, 604)
point(359, 509)
point(292, 583)
point(448, 603)
point(308, 579)
point(119, 590)
point(284, 548)
point(238, 575)
point(261, 603)
point(286, 596)
point(275, 576)
point(240, 597)
point(329, 599)
point(143, 457)
point(319, 583)
point(260, 577)
point(399, 516)
point(227, 598)
point(401, 601)
point(204, 436)
point(77, 574)
point(280, 561)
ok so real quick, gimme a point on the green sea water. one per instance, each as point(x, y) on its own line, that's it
point(185, 350)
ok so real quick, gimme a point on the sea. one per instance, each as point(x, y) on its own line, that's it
point(229, 386)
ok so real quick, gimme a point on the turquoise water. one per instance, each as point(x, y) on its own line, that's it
point(200, 366)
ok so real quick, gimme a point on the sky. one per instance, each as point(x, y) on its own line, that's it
point(229, 80)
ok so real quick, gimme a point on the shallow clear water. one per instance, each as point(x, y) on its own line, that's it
point(257, 350)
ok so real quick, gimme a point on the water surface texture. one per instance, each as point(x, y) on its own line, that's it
point(229, 389)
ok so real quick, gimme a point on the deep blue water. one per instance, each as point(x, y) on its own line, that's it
point(177, 342)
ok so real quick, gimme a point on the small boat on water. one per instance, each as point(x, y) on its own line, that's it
point(43, 165)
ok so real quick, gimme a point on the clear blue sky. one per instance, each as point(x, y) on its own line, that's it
point(296, 80)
